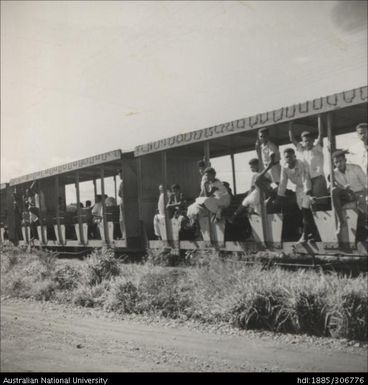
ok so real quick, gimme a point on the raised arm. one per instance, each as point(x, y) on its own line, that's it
point(319, 140)
point(291, 135)
point(258, 149)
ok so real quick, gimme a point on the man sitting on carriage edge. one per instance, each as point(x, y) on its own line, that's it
point(261, 181)
point(176, 205)
point(311, 153)
point(350, 186)
point(296, 171)
point(268, 152)
point(217, 198)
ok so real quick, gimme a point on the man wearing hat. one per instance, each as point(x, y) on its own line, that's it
point(350, 186)
point(311, 153)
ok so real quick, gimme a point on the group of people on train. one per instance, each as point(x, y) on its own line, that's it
point(34, 206)
point(301, 165)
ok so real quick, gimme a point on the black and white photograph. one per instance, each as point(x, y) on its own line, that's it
point(183, 190)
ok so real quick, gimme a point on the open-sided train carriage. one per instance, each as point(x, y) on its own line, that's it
point(174, 160)
point(73, 226)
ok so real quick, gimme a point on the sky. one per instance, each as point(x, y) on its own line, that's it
point(83, 78)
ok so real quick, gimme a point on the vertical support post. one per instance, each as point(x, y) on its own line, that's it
point(94, 188)
point(331, 148)
point(103, 204)
point(140, 187)
point(207, 157)
point(41, 208)
point(320, 122)
point(262, 202)
point(233, 171)
point(115, 189)
point(23, 203)
point(140, 201)
point(57, 208)
point(122, 207)
point(164, 177)
point(80, 225)
point(23, 219)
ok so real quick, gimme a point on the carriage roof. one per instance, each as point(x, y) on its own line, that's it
point(89, 168)
point(240, 135)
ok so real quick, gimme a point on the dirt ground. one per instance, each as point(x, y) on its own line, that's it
point(55, 338)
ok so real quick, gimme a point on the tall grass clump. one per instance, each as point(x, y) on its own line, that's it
point(101, 265)
point(88, 295)
point(165, 292)
point(122, 297)
point(347, 312)
point(10, 256)
point(28, 275)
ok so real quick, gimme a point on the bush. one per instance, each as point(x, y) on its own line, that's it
point(123, 297)
point(67, 277)
point(164, 258)
point(44, 290)
point(101, 266)
point(91, 295)
point(10, 256)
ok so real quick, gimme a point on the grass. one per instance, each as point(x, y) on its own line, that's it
point(212, 290)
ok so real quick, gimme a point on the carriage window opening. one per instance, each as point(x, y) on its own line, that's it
point(223, 168)
point(109, 186)
point(243, 174)
point(87, 191)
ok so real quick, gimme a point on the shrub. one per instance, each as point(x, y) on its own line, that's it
point(101, 266)
point(122, 297)
point(16, 284)
point(91, 295)
point(10, 256)
point(44, 290)
point(67, 277)
point(164, 258)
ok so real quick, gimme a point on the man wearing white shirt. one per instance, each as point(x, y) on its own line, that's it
point(358, 151)
point(295, 171)
point(311, 153)
point(350, 186)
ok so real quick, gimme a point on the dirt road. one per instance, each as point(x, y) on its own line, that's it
point(47, 337)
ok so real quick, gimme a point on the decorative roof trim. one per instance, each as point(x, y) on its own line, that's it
point(72, 166)
point(284, 114)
